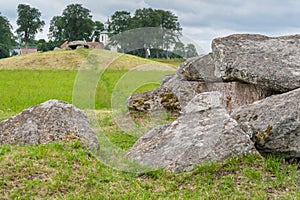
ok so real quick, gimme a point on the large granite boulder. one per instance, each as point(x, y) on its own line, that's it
point(273, 124)
point(204, 132)
point(270, 62)
point(154, 100)
point(175, 94)
point(183, 90)
point(200, 68)
point(50, 121)
point(257, 80)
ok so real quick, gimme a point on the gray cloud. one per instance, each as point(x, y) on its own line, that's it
point(235, 14)
point(202, 20)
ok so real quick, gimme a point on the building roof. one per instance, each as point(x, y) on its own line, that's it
point(28, 50)
point(95, 44)
point(64, 44)
point(105, 32)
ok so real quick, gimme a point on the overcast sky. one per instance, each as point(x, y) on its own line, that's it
point(201, 20)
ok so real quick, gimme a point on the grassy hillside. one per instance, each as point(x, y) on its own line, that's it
point(34, 78)
point(73, 60)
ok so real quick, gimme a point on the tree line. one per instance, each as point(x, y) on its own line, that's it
point(76, 23)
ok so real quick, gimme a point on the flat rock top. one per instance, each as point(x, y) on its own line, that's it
point(270, 62)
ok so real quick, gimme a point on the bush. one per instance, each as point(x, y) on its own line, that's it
point(4, 51)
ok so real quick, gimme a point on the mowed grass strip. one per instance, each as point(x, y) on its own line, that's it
point(67, 171)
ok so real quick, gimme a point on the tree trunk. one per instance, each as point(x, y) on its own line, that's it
point(167, 53)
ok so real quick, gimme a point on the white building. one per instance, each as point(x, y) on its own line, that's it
point(104, 37)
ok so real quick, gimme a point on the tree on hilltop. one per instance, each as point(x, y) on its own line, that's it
point(166, 33)
point(7, 40)
point(191, 51)
point(120, 22)
point(29, 23)
point(179, 50)
point(75, 23)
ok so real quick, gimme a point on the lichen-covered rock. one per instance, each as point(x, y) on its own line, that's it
point(183, 90)
point(273, 123)
point(154, 100)
point(178, 93)
point(47, 122)
point(204, 132)
point(270, 62)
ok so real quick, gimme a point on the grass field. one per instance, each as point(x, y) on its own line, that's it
point(67, 171)
point(20, 89)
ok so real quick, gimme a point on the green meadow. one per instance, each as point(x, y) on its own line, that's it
point(68, 171)
point(20, 89)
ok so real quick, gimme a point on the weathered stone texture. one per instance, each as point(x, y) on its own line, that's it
point(270, 62)
point(273, 123)
point(204, 132)
point(50, 121)
point(179, 93)
point(201, 68)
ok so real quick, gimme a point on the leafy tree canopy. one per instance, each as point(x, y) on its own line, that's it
point(43, 45)
point(191, 51)
point(7, 40)
point(120, 22)
point(167, 33)
point(179, 50)
point(29, 23)
point(75, 23)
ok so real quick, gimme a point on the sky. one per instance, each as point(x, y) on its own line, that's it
point(201, 20)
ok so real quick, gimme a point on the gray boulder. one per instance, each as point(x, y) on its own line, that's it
point(183, 90)
point(201, 68)
point(77, 44)
point(233, 94)
point(154, 100)
point(270, 62)
point(173, 95)
point(47, 122)
point(177, 93)
point(205, 132)
point(273, 124)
